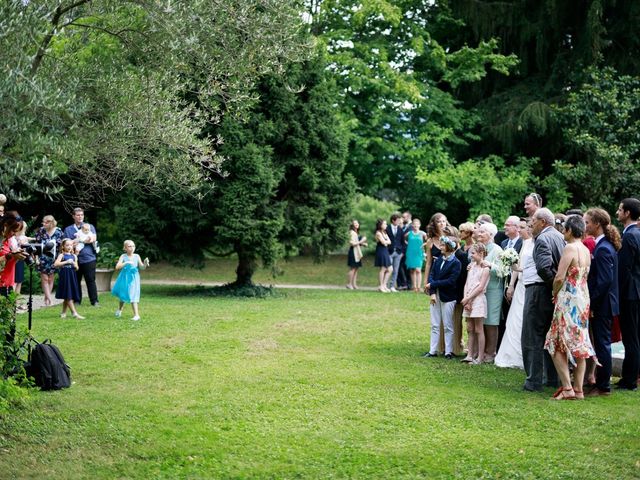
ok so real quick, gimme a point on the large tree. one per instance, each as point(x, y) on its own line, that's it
point(564, 107)
point(285, 188)
point(99, 94)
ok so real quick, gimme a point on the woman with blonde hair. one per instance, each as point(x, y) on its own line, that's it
point(49, 232)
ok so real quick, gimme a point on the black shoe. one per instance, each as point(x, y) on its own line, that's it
point(624, 386)
point(527, 388)
point(429, 355)
point(449, 356)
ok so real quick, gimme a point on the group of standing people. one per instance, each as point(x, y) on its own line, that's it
point(541, 295)
point(73, 256)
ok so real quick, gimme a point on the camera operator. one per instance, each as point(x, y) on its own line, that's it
point(10, 253)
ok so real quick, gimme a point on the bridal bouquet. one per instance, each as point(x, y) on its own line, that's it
point(507, 259)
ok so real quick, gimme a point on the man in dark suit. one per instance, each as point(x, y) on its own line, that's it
point(396, 248)
point(513, 240)
point(404, 279)
point(538, 304)
point(629, 285)
point(603, 292)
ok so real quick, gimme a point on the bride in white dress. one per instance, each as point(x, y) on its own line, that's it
point(510, 353)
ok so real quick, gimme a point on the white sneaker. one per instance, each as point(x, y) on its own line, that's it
point(136, 318)
point(118, 313)
point(393, 289)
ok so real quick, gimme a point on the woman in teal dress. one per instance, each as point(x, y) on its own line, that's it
point(414, 255)
point(495, 289)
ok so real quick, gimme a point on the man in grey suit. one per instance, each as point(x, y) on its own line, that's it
point(538, 277)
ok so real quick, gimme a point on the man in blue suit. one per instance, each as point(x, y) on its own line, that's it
point(629, 283)
point(603, 291)
point(396, 248)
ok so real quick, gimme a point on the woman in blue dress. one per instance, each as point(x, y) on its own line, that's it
point(68, 288)
point(414, 255)
point(127, 286)
point(49, 232)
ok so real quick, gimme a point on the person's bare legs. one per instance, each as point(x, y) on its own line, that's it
point(590, 371)
point(17, 288)
point(478, 324)
point(46, 288)
point(381, 276)
point(470, 337)
point(351, 277)
point(355, 279)
point(560, 362)
point(491, 334)
point(134, 305)
point(64, 307)
point(387, 276)
point(578, 375)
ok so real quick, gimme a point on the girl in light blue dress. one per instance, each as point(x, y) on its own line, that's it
point(127, 286)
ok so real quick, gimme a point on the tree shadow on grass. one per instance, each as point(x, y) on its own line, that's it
point(228, 290)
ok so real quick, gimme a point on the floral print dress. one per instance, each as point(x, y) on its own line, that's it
point(569, 332)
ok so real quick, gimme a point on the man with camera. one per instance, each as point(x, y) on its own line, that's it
point(86, 256)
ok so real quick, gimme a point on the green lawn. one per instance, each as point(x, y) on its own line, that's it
point(297, 270)
point(311, 384)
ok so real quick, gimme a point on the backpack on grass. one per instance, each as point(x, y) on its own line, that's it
point(48, 368)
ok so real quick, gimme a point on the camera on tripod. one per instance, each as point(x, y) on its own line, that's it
point(36, 249)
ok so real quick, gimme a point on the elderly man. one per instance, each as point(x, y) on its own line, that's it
point(538, 274)
point(86, 256)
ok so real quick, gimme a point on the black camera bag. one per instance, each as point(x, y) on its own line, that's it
point(48, 368)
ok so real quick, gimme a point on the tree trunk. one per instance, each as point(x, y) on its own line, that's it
point(246, 266)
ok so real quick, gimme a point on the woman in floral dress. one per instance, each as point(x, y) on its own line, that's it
point(49, 232)
point(568, 338)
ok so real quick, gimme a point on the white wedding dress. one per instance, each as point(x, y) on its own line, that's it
point(510, 353)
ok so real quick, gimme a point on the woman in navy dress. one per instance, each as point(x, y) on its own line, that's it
point(68, 288)
point(383, 259)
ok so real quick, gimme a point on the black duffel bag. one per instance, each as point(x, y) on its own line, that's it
point(48, 368)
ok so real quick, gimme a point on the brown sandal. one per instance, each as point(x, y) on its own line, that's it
point(579, 394)
point(561, 394)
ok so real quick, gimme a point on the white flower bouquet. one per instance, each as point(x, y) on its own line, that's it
point(507, 259)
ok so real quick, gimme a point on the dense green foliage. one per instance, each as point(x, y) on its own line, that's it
point(98, 94)
point(284, 189)
point(312, 384)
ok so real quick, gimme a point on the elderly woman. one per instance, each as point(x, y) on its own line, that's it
point(48, 232)
point(485, 234)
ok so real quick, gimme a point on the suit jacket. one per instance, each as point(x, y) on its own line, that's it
point(547, 251)
point(397, 240)
point(443, 277)
point(517, 247)
point(629, 265)
point(603, 280)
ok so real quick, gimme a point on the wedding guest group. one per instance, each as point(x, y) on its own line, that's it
point(540, 295)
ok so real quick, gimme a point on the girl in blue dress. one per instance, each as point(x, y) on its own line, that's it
point(127, 286)
point(68, 287)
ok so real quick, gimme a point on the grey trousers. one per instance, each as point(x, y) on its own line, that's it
point(536, 321)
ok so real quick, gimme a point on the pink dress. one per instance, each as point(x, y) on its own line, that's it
point(479, 303)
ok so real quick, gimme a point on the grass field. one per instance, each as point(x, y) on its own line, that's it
point(297, 270)
point(309, 384)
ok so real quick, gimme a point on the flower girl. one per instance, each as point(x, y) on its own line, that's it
point(127, 286)
point(474, 303)
point(68, 287)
